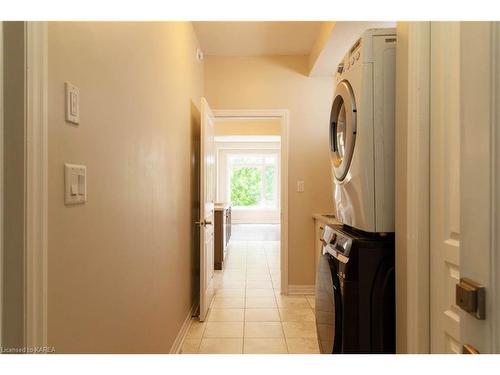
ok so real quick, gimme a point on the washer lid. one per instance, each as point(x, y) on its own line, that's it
point(342, 129)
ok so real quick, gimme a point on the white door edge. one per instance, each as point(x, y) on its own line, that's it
point(1, 182)
point(496, 188)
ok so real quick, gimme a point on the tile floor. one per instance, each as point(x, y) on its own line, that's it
point(248, 315)
point(255, 232)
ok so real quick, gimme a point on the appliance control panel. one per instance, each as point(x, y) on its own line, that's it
point(329, 235)
point(350, 60)
point(336, 244)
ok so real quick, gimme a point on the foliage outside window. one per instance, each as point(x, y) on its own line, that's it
point(253, 180)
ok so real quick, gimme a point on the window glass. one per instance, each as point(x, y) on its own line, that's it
point(253, 180)
point(245, 186)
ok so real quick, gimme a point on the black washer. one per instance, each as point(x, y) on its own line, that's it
point(355, 293)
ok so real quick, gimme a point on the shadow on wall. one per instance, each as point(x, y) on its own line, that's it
point(195, 201)
point(295, 65)
point(14, 180)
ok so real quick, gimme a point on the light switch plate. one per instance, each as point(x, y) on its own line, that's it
point(72, 103)
point(75, 184)
point(300, 186)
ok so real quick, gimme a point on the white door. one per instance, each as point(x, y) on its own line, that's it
point(445, 233)
point(207, 198)
point(480, 193)
point(465, 199)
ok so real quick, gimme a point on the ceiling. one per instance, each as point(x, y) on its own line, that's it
point(257, 38)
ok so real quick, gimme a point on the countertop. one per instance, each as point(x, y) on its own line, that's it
point(326, 218)
point(221, 206)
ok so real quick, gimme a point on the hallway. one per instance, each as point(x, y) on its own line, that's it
point(248, 315)
point(255, 232)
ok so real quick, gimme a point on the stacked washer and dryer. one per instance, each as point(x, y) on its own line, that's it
point(355, 284)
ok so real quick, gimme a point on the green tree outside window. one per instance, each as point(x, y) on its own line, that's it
point(245, 186)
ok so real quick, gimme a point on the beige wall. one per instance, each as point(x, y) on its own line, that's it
point(281, 83)
point(248, 127)
point(122, 266)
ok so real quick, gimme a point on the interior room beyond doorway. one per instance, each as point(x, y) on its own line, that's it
point(248, 168)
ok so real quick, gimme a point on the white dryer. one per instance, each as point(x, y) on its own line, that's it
point(362, 133)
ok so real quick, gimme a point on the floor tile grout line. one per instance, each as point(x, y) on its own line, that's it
point(277, 307)
point(245, 301)
point(262, 249)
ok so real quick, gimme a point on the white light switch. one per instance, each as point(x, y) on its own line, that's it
point(75, 182)
point(300, 186)
point(72, 103)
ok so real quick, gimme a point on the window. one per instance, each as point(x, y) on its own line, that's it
point(253, 180)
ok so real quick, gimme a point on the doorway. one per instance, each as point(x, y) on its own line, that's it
point(248, 153)
point(252, 169)
point(250, 311)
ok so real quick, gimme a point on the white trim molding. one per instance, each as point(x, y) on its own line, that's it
point(413, 187)
point(495, 263)
point(418, 189)
point(283, 115)
point(36, 179)
point(301, 289)
point(1, 182)
point(181, 336)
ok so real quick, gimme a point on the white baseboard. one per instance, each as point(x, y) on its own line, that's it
point(301, 289)
point(179, 340)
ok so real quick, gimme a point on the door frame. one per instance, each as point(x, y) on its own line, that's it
point(413, 229)
point(495, 277)
point(36, 218)
point(36, 192)
point(1, 182)
point(283, 116)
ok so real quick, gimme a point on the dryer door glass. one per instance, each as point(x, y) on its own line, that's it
point(342, 130)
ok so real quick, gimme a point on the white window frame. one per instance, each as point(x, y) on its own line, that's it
point(242, 215)
point(261, 166)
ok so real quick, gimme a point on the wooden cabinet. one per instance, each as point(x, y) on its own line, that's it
point(227, 225)
point(222, 234)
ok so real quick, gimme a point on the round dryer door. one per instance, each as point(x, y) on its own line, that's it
point(342, 129)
